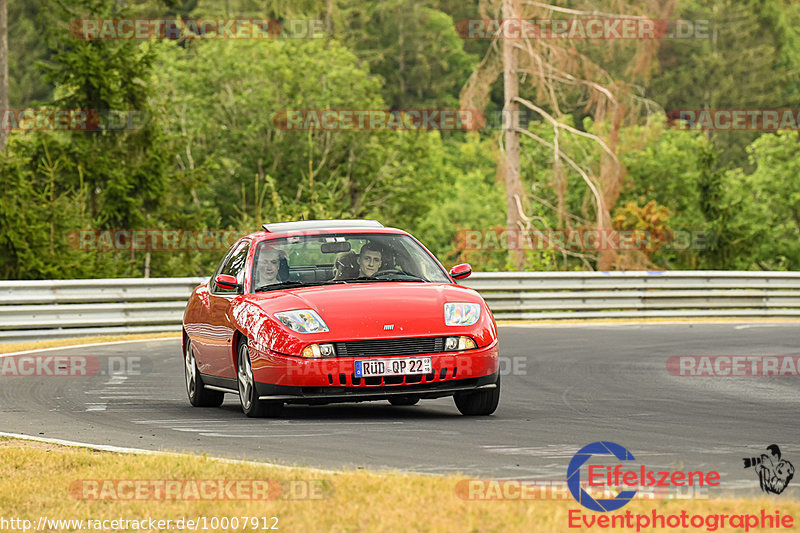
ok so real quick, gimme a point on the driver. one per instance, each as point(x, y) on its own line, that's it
point(369, 260)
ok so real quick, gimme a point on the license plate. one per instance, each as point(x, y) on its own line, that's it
point(406, 366)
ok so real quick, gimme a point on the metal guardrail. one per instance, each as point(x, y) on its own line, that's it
point(38, 310)
point(635, 294)
point(42, 310)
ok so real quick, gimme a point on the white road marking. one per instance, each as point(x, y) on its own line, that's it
point(141, 451)
point(272, 423)
point(554, 451)
point(271, 436)
point(114, 390)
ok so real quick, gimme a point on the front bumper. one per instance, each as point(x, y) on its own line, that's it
point(323, 395)
point(296, 380)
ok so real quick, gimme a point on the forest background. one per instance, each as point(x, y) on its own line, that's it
point(198, 147)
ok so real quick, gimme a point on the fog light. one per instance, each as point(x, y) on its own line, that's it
point(326, 350)
point(450, 344)
point(454, 344)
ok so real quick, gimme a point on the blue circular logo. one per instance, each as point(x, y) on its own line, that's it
point(574, 476)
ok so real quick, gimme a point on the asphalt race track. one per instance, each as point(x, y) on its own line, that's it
point(563, 387)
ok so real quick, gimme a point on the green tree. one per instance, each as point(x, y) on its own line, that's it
point(744, 64)
point(466, 197)
point(223, 101)
point(413, 46)
point(109, 176)
point(25, 49)
point(765, 206)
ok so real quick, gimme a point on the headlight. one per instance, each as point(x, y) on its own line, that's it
point(461, 314)
point(302, 321)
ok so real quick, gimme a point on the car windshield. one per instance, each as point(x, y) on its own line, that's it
point(340, 258)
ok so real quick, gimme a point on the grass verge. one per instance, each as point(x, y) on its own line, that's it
point(38, 479)
point(55, 343)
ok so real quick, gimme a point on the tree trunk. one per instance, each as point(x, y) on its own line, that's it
point(3, 69)
point(328, 23)
point(511, 124)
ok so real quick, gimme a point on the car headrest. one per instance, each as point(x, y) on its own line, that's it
point(346, 265)
point(283, 269)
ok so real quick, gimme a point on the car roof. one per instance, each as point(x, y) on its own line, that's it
point(305, 225)
point(320, 227)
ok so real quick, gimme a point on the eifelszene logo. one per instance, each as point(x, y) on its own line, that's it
point(641, 477)
point(774, 473)
point(574, 476)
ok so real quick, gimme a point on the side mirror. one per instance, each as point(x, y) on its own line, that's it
point(461, 271)
point(224, 281)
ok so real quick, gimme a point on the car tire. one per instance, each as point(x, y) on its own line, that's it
point(199, 396)
point(404, 400)
point(248, 395)
point(481, 403)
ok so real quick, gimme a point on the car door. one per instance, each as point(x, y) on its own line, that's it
point(219, 356)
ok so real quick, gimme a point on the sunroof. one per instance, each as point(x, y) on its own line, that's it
point(300, 225)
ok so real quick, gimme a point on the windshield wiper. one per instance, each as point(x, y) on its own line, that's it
point(390, 276)
point(279, 285)
point(293, 283)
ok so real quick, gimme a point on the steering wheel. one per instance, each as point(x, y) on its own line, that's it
point(384, 273)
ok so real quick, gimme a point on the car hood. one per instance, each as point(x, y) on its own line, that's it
point(366, 309)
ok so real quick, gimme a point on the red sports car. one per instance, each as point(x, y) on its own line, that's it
point(324, 311)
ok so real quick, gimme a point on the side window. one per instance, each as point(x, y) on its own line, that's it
point(233, 266)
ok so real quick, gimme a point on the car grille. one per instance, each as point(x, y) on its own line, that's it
point(384, 347)
point(421, 380)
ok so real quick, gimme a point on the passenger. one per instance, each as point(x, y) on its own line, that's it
point(271, 267)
